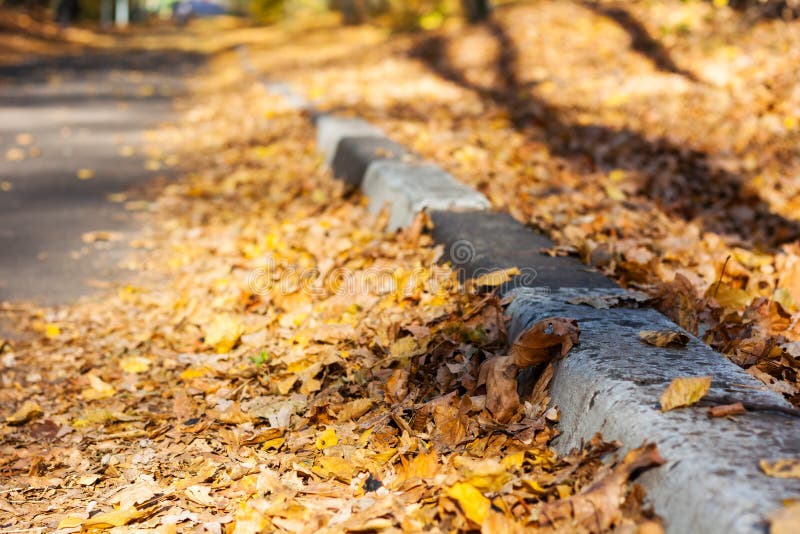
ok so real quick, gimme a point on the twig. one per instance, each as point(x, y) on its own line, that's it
point(721, 274)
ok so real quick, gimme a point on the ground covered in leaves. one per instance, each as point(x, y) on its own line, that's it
point(285, 364)
point(656, 140)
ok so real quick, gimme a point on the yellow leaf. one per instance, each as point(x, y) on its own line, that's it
point(615, 193)
point(784, 298)
point(52, 330)
point(514, 461)
point(134, 364)
point(29, 410)
point(98, 389)
point(85, 174)
point(327, 439)
point(223, 333)
point(70, 521)
point(729, 297)
point(431, 21)
point(116, 518)
point(784, 468)
point(274, 443)
point(403, 347)
point(786, 520)
point(472, 502)
point(617, 175)
point(194, 372)
point(334, 466)
point(495, 278)
point(684, 392)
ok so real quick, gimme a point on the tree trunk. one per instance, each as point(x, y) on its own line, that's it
point(476, 10)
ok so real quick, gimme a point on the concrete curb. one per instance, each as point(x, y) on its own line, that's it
point(611, 382)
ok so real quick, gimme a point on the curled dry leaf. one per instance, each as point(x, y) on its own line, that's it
point(597, 507)
point(500, 376)
point(397, 385)
point(786, 520)
point(664, 338)
point(546, 340)
point(495, 278)
point(27, 412)
point(684, 392)
point(725, 410)
point(783, 468)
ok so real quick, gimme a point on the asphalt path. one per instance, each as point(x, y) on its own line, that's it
point(72, 136)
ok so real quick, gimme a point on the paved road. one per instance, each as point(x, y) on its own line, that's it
point(56, 118)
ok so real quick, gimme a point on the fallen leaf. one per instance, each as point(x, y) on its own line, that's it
point(472, 502)
point(328, 438)
point(52, 330)
point(354, 409)
point(70, 521)
point(134, 364)
point(664, 338)
point(786, 520)
point(784, 468)
point(88, 480)
point(200, 494)
point(116, 518)
point(544, 341)
point(101, 235)
point(27, 412)
point(500, 376)
point(223, 333)
point(15, 154)
point(98, 389)
point(397, 386)
point(495, 278)
point(597, 507)
point(85, 174)
point(726, 410)
point(684, 392)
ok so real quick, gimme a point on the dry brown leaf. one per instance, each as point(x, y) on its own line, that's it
point(354, 409)
point(786, 520)
point(546, 340)
point(684, 392)
point(597, 507)
point(28, 411)
point(727, 410)
point(500, 376)
point(664, 338)
point(495, 278)
point(116, 518)
point(783, 468)
point(397, 386)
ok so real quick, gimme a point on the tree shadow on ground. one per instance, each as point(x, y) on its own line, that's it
point(641, 40)
point(758, 10)
point(681, 181)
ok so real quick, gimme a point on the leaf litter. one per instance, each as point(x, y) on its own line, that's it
point(225, 392)
point(657, 141)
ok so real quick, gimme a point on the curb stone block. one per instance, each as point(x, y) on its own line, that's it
point(409, 188)
point(478, 243)
point(331, 130)
point(611, 382)
point(355, 154)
